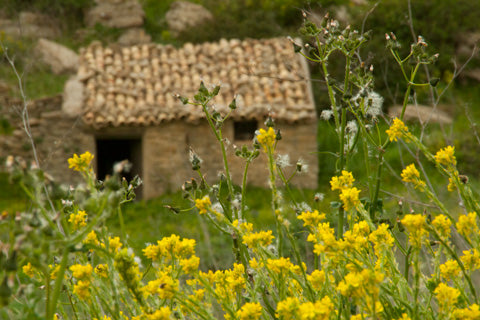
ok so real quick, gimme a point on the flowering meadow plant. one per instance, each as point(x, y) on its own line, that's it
point(351, 262)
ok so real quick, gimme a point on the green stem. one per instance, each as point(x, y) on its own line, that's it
point(122, 224)
point(58, 284)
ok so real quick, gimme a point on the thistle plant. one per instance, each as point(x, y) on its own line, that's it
point(65, 264)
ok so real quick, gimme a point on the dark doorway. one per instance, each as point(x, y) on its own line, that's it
point(244, 130)
point(111, 151)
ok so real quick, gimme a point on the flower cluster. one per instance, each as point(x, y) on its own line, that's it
point(82, 273)
point(80, 163)
point(78, 220)
point(266, 138)
point(446, 156)
point(398, 129)
point(203, 204)
point(348, 193)
point(411, 175)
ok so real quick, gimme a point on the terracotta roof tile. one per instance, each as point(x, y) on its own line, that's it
point(136, 85)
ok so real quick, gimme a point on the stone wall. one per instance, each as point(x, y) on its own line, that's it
point(165, 148)
point(166, 164)
point(56, 136)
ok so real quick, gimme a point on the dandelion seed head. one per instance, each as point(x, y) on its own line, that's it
point(283, 160)
point(326, 115)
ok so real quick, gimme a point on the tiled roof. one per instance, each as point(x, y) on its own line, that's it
point(136, 85)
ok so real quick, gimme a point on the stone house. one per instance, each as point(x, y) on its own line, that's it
point(127, 109)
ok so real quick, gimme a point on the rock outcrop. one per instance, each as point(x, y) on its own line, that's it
point(61, 59)
point(115, 14)
point(184, 15)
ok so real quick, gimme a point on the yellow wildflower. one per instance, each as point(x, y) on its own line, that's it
point(397, 130)
point(82, 289)
point(281, 265)
point(447, 296)
point(244, 226)
point(320, 310)
point(254, 264)
point(404, 317)
point(342, 182)
point(203, 204)
point(471, 259)
point(164, 286)
point(81, 272)
point(102, 270)
point(311, 218)
point(190, 265)
point(80, 163)
point(114, 244)
point(415, 225)
point(91, 238)
point(266, 138)
point(317, 279)
point(442, 224)
point(78, 220)
point(381, 238)
point(349, 197)
point(288, 309)
point(160, 314)
point(410, 174)
point(467, 224)
point(261, 238)
point(470, 313)
point(449, 270)
point(446, 156)
point(28, 270)
point(250, 311)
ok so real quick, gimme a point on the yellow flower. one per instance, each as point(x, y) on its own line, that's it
point(203, 204)
point(320, 310)
point(78, 220)
point(160, 314)
point(254, 264)
point(164, 286)
point(449, 270)
point(381, 238)
point(261, 238)
point(467, 224)
point(471, 259)
point(288, 308)
point(411, 174)
point(415, 225)
point(114, 244)
point(81, 272)
point(446, 156)
point(250, 311)
point(82, 289)
point(311, 218)
point(244, 226)
point(470, 313)
point(442, 223)
point(447, 296)
point(344, 181)
point(29, 270)
point(281, 265)
point(266, 138)
point(349, 198)
point(80, 163)
point(190, 265)
point(102, 270)
point(317, 279)
point(397, 130)
point(91, 239)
